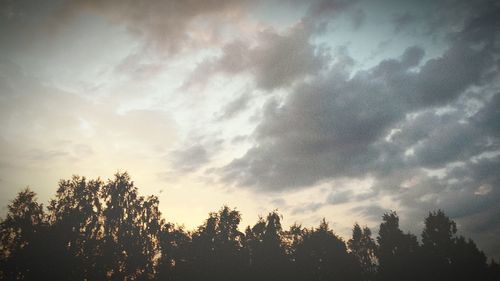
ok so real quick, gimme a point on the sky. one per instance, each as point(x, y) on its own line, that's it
point(324, 108)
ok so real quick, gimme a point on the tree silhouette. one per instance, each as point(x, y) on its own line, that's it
point(493, 271)
point(364, 248)
point(173, 263)
point(75, 230)
point(268, 260)
point(217, 247)
point(397, 252)
point(95, 230)
point(323, 256)
point(447, 256)
point(22, 251)
point(131, 228)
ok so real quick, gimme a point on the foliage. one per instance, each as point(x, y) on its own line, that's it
point(95, 230)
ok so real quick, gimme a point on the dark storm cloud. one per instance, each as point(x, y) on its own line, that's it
point(321, 12)
point(403, 20)
point(412, 57)
point(469, 193)
point(325, 128)
point(358, 18)
point(394, 122)
point(23, 21)
point(336, 124)
point(276, 61)
point(442, 79)
point(454, 13)
point(279, 59)
point(489, 117)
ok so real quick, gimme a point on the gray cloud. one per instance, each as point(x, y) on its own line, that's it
point(402, 20)
point(281, 59)
point(325, 128)
point(321, 12)
point(236, 106)
point(489, 117)
point(443, 79)
point(164, 25)
point(371, 212)
point(340, 197)
point(277, 60)
point(189, 158)
point(335, 125)
point(194, 154)
point(358, 18)
point(457, 194)
point(309, 207)
point(426, 131)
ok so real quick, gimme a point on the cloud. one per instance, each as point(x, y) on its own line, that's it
point(358, 18)
point(321, 12)
point(168, 27)
point(189, 158)
point(44, 122)
point(443, 79)
point(372, 212)
point(309, 207)
point(325, 128)
point(402, 20)
point(335, 125)
point(236, 106)
point(426, 131)
point(489, 117)
point(281, 59)
point(340, 197)
point(424, 126)
point(48, 133)
point(276, 60)
point(192, 154)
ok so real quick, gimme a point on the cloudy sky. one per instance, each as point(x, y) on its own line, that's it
point(328, 108)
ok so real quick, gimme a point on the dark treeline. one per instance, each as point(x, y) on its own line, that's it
point(95, 230)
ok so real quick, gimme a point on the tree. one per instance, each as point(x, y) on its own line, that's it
point(438, 234)
point(364, 248)
point(217, 247)
point(95, 230)
point(22, 236)
point(131, 227)
point(76, 229)
point(448, 256)
point(323, 256)
point(229, 245)
point(397, 252)
point(268, 258)
point(468, 262)
point(174, 261)
point(493, 271)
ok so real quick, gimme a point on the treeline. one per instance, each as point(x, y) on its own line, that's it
point(95, 230)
